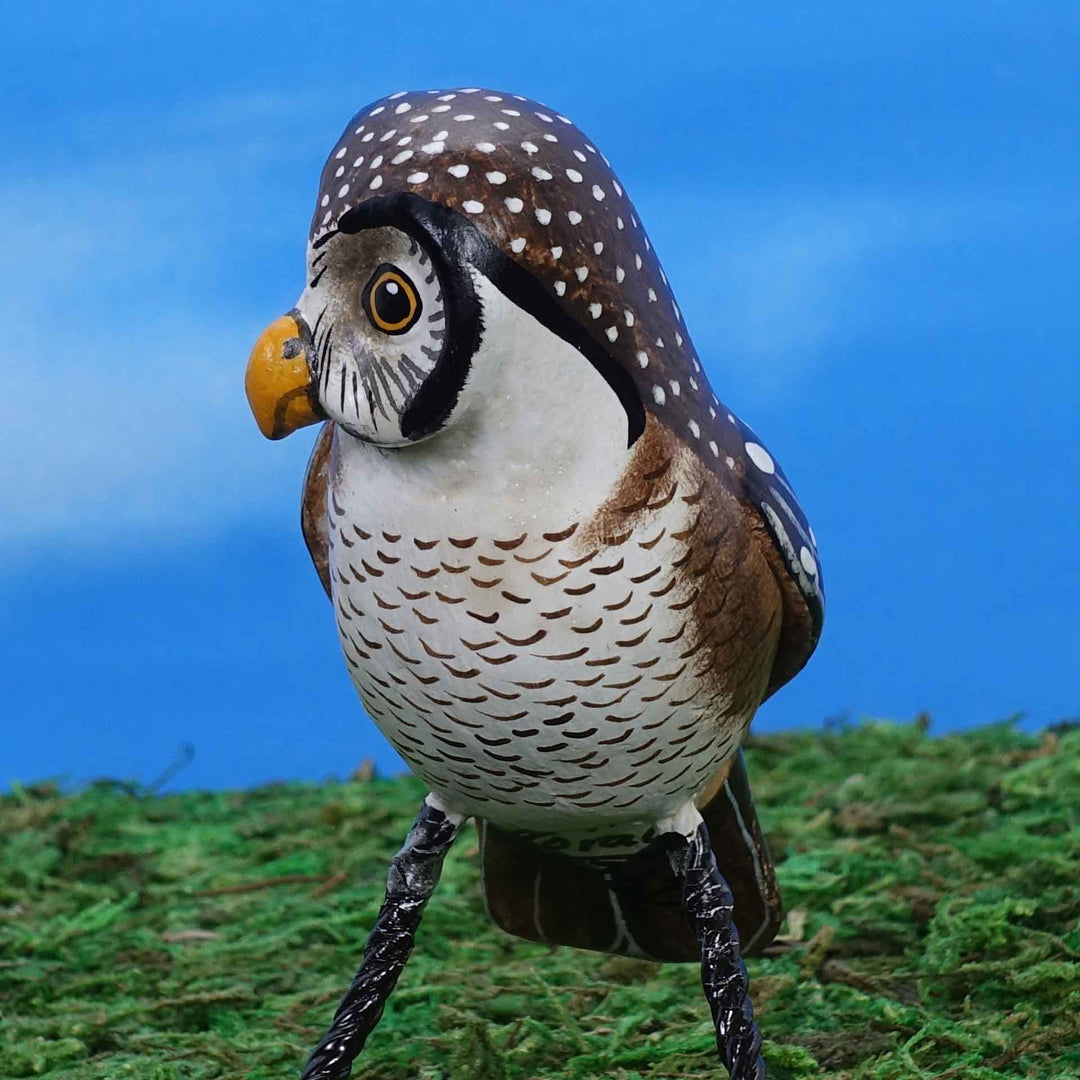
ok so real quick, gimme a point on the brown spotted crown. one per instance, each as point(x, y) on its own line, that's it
point(544, 195)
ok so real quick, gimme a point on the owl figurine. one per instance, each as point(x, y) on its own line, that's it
point(564, 574)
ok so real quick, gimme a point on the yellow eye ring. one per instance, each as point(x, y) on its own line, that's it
point(391, 300)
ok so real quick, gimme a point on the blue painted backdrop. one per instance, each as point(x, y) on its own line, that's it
point(871, 219)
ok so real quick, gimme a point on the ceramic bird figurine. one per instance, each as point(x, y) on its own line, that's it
point(564, 574)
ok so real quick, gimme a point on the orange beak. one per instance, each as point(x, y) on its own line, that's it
point(278, 381)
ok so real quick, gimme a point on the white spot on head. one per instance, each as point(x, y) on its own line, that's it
point(326, 217)
point(628, 315)
point(441, 109)
point(595, 310)
point(658, 395)
point(598, 247)
point(464, 116)
point(514, 205)
point(676, 389)
point(358, 162)
point(620, 273)
point(530, 148)
point(678, 336)
point(375, 112)
point(435, 147)
point(809, 563)
point(643, 358)
point(447, 97)
point(401, 158)
point(574, 176)
point(598, 193)
point(398, 94)
point(694, 429)
point(715, 449)
point(511, 112)
point(339, 172)
point(619, 223)
point(581, 272)
point(544, 117)
point(612, 333)
point(485, 147)
point(343, 191)
point(404, 140)
point(342, 152)
point(376, 183)
point(760, 457)
point(496, 177)
point(551, 138)
point(813, 538)
point(325, 200)
point(615, 185)
point(460, 171)
point(560, 287)
point(652, 296)
point(471, 206)
point(730, 463)
point(559, 116)
point(580, 156)
point(556, 252)
point(416, 177)
point(543, 216)
point(517, 245)
point(573, 217)
point(540, 174)
point(501, 125)
point(637, 261)
point(404, 107)
point(492, 97)
point(376, 161)
point(368, 137)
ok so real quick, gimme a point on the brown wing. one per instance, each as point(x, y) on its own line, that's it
point(544, 896)
point(313, 513)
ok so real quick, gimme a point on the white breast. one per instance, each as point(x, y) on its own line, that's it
point(530, 672)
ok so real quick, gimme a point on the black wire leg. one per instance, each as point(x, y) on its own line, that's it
point(413, 876)
point(708, 902)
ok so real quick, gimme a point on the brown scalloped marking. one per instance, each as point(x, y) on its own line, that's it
point(682, 605)
point(512, 696)
point(693, 500)
point(467, 543)
point(556, 537)
point(542, 685)
point(511, 719)
point(522, 642)
point(556, 721)
point(401, 656)
point(385, 604)
point(489, 619)
point(388, 559)
point(515, 599)
point(605, 704)
point(603, 661)
point(374, 571)
point(486, 560)
point(665, 590)
point(461, 673)
point(673, 637)
point(345, 540)
point(360, 532)
point(434, 653)
point(624, 685)
point(660, 504)
point(339, 510)
point(541, 580)
point(427, 620)
point(454, 569)
point(621, 604)
point(560, 614)
point(496, 660)
point(509, 545)
point(524, 733)
point(588, 629)
point(639, 504)
point(533, 559)
point(413, 595)
point(573, 564)
point(390, 629)
point(587, 682)
point(629, 643)
point(391, 538)
point(449, 599)
point(678, 564)
point(580, 590)
point(614, 568)
point(618, 539)
point(563, 656)
point(424, 545)
point(558, 703)
point(616, 739)
point(488, 583)
point(369, 644)
point(424, 573)
point(476, 646)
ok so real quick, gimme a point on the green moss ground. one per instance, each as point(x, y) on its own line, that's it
point(932, 884)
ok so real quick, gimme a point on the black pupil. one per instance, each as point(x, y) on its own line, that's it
point(392, 302)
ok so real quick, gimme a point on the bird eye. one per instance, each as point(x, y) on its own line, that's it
point(391, 300)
